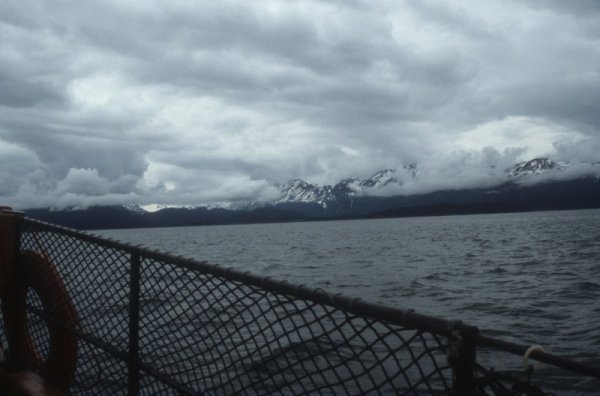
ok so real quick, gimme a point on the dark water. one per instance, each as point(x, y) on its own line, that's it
point(529, 278)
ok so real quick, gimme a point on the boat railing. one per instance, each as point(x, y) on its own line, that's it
point(149, 322)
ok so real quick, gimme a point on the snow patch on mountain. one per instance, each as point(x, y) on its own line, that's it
point(156, 207)
point(135, 209)
point(536, 166)
point(543, 169)
point(297, 190)
point(380, 179)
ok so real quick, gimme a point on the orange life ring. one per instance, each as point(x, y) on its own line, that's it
point(35, 271)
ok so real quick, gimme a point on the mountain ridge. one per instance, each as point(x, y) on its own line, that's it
point(582, 193)
point(298, 191)
point(354, 198)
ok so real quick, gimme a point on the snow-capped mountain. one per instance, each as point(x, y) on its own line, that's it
point(380, 179)
point(536, 166)
point(299, 191)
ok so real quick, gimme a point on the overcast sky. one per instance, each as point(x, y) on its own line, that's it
point(193, 102)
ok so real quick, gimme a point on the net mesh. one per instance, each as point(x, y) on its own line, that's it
point(149, 323)
point(203, 333)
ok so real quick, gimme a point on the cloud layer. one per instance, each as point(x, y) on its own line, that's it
point(191, 102)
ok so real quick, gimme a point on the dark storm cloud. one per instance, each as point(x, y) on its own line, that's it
point(198, 102)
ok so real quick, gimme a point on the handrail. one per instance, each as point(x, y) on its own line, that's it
point(544, 357)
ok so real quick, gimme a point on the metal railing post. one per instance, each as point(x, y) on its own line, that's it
point(461, 356)
point(134, 325)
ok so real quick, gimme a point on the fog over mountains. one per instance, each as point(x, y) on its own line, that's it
point(408, 180)
point(388, 182)
point(538, 184)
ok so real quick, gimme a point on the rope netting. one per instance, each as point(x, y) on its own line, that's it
point(151, 323)
point(205, 333)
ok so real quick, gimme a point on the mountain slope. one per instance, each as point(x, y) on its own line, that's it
point(107, 217)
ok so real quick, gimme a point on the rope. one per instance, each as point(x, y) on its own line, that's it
point(530, 350)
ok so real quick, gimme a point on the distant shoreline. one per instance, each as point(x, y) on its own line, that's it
point(581, 193)
point(88, 219)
